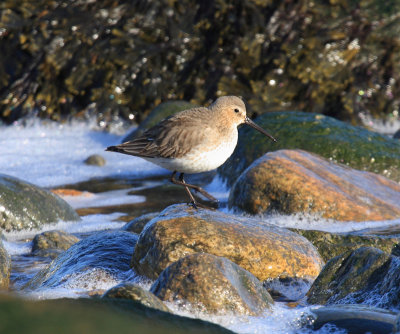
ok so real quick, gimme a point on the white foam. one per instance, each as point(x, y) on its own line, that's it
point(89, 223)
point(17, 247)
point(50, 154)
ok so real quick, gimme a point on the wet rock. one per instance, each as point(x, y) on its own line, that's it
point(134, 292)
point(103, 256)
point(212, 284)
point(95, 160)
point(330, 245)
point(5, 267)
point(355, 318)
point(93, 315)
point(160, 112)
point(264, 250)
point(136, 225)
point(332, 139)
point(397, 135)
point(351, 277)
point(26, 206)
point(291, 181)
point(52, 243)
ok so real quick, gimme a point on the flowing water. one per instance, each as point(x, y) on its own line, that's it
point(51, 155)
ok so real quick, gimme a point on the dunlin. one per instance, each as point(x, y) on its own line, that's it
point(193, 141)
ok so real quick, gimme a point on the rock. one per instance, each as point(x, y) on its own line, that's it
point(136, 225)
point(95, 160)
point(212, 284)
point(103, 256)
point(136, 293)
point(94, 315)
point(350, 276)
point(291, 181)
point(5, 267)
point(332, 139)
point(26, 206)
point(52, 243)
point(160, 112)
point(264, 250)
point(355, 318)
point(330, 245)
point(397, 134)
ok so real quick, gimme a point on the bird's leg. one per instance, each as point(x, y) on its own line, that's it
point(182, 182)
point(197, 188)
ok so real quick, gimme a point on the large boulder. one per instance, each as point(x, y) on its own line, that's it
point(103, 256)
point(212, 284)
point(262, 249)
point(26, 206)
point(337, 141)
point(291, 181)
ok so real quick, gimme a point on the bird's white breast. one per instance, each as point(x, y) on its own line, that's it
point(201, 158)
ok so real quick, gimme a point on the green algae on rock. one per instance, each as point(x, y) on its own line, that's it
point(100, 316)
point(340, 142)
point(118, 57)
point(354, 274)
point(26, 206)
point(212, 284)
point(330, 245)
point(5, 267)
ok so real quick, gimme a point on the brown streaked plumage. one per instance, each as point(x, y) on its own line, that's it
point(192, 141)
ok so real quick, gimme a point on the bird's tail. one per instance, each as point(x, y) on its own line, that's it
point(115, 149)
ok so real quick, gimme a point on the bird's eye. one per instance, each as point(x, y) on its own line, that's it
point(236, 110)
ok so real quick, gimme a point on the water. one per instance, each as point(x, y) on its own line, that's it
point(51, 155)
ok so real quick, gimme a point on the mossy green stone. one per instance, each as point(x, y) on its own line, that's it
point(5, 267)
point(330, 245)
point(26, 206)
point(341, 142)
point(101, 316)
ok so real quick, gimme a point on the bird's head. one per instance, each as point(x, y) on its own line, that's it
point(233, 109)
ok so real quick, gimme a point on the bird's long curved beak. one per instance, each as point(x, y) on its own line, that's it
point(248, 121)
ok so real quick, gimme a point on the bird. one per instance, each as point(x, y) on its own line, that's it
point(193, 141)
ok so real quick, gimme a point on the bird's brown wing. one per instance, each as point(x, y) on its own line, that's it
point(171, 138)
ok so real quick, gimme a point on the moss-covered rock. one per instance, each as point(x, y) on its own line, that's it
point(330, 245)
point(5, 267)
point(118, 57)
point(264, 250)
point(52, 243)
point(292, 181)
point(26, 206)
point(353, 273)
point(212, 284)
point(332, 139)
point(134, 292)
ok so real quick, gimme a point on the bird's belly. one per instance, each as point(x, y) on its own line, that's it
point(197, 161)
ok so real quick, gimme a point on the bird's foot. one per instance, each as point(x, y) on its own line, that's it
point(198, 205)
